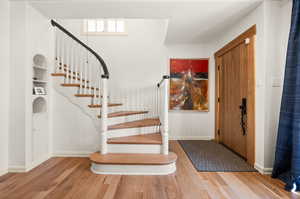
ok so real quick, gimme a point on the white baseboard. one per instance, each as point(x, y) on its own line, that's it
point(23, 168)
point(72, 153)
point(38, 162)
point(3, 172)
point(176, 137)
point(263, 170)
point(16, 168)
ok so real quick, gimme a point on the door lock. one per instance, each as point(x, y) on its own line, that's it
point(243, 108)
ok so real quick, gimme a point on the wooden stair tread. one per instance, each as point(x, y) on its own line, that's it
point(78, 85)
point(70, 85)
point(64, 75)
point(58, 74)
point(87, 95)
point(84, 95)
point(100, 105)
point(136, 124)
point(124, 113)
point(133, 158)
point(152, 138)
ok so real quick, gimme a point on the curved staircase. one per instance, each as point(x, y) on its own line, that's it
point(133, 142)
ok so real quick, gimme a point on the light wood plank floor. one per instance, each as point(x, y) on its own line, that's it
point(60, 178)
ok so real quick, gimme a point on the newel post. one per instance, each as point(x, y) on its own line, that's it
point(104, 109)
point(165, 127)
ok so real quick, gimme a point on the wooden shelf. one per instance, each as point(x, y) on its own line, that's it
point(40, 81)
point(40, 67)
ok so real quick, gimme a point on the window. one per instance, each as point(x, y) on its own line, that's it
point(104, 26)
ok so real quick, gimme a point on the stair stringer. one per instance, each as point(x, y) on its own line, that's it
point(80, 103)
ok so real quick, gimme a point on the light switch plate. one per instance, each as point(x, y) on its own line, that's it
point(276, 82)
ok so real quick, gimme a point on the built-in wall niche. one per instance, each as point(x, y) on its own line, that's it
point(40, 102)
point(39, 105)
point(40, 75)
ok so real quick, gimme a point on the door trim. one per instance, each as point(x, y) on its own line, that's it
point(248, 34)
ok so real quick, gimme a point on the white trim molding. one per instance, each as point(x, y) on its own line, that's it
point(72, 153)
point(37, 163)
point(263, 170)
point(179, 137)
point(16, 169)
point(3, 172)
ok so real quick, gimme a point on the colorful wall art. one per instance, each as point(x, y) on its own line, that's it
point(189, 84)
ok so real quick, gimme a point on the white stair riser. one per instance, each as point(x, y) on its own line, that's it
point(132, 131)
point(128, 118)
point(135, 148)
point(113, 169)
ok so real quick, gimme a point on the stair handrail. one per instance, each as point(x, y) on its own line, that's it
point(102, 89)
point(98, 57)
point(162, 80)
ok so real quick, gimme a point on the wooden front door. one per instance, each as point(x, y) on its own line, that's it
point(233, 89)
point(235, 94)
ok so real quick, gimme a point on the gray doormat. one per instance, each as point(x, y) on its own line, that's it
point(212, 157)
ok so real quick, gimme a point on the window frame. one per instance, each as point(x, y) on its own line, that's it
point(84, 30)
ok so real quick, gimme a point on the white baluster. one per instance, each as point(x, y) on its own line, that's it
point(63, 54)
point(71, 63)
point(90, 65)
point(76, 65)
point(81, 68)
point(165, 127)
point(85, 76)
point(60, 50)
point(104, 117)
point(65, 66)
point(56, 52)
point(100, 88)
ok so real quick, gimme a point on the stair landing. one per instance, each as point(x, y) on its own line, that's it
point(133, 158)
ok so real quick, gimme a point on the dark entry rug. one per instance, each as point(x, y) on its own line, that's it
point(210, 156)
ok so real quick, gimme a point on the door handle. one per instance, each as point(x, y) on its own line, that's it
point(243, 108)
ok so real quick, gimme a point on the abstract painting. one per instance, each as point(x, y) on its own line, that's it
point(189, 84)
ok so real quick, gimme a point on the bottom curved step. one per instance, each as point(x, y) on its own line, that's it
point(133, 164)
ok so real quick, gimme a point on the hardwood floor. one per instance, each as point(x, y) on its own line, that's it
point(60, 178)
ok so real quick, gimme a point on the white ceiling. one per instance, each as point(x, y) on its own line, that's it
point(189, 21)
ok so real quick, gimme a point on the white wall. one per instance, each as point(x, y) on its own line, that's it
point(4, 80)
point(30, 34)
point(17, 84)
point(272, 19)
point(193, 124)
point(278, 26)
